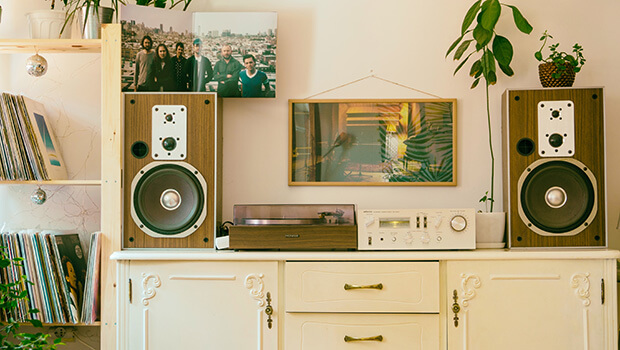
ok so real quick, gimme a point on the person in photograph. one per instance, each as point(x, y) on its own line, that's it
point(227, 74)
point(178, 61)
point(253, 80)
point(163, 70)
point(198, 70)
point(143, 74)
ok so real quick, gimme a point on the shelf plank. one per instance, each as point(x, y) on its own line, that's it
point(53, 182)
point(50, 45)
point(95, 324)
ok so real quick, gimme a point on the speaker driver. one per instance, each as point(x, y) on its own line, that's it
point(168, 199)
point(557, 197)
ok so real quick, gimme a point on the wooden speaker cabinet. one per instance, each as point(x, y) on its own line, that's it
point(553, 143)
point(171, 172)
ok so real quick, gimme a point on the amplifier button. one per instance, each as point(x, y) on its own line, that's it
point(425, 238)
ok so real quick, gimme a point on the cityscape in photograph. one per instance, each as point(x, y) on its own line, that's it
point(262, 45)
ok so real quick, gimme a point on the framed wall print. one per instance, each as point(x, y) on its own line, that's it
point(372, 142)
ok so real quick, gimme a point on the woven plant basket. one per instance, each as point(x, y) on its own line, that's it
point(545, 71)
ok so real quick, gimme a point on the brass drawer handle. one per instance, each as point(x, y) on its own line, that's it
point(370, 286)
point(456, 308)
point(351, 339)
point(269, 311)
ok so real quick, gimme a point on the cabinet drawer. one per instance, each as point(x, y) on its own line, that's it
point(400, 287)
point(309, 331)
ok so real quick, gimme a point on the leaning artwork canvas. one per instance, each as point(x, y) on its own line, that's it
point(231, 53)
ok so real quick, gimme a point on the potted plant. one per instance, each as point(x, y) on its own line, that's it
point(480, 38)
point(559, 68)
point(47, 24)
point(90, 15)
point(11, 295)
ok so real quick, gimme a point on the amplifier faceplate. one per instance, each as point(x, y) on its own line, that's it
point(416, 229)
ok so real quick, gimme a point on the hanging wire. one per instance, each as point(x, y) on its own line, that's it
point(372, 75)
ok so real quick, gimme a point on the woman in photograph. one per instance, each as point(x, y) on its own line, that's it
point(164, 70)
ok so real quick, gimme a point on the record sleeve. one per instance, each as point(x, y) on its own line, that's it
point(46, 140)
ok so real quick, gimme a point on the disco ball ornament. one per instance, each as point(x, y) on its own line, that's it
point(36, 65)
point(38, 197)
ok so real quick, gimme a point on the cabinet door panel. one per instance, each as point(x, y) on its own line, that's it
point(525, 305)
point(201, 305)
point(310, 331)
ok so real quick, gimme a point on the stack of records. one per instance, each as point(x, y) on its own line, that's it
point(28, 147)
point(56, 265)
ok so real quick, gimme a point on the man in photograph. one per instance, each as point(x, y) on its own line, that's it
point(253, 80)
point(198, 70)
point(179, 62)
point(227, 74)
point(143, 74)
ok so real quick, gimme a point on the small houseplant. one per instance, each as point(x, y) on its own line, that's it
point(479, 38)
point(91, 7)
point(559, 68)
point(11, 294)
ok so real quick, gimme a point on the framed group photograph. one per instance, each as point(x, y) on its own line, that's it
point(372, 142)
point(231, 53)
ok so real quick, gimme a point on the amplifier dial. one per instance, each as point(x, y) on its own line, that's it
point(458, 223)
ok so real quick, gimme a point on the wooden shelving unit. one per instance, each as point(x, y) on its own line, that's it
point(110, 49)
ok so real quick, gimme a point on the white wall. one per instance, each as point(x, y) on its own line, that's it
point(323, 44)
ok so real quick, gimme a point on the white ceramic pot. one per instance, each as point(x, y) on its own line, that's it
point(46, 24)
point(490, 229)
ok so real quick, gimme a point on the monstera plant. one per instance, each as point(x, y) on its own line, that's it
point(480, 42)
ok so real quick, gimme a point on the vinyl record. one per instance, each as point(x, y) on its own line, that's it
point(168, 199)
point(557, 197)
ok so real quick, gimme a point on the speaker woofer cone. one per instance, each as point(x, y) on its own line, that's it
point(557, 197)
point(168, 199)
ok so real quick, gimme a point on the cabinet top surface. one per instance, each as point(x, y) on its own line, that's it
point(480, 254)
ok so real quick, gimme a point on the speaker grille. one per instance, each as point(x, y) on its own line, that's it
point(153, 214)
point(557, 197)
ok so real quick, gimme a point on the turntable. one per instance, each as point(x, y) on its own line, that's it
point(294, 227)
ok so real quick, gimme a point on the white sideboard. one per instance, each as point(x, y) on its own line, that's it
point(478, 300)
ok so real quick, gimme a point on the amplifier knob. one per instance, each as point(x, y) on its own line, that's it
point(458, 223)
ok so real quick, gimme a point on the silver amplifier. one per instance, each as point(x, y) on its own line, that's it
point(416, 229)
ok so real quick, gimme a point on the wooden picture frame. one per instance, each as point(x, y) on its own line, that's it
point(382, 142)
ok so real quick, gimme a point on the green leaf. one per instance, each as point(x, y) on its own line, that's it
point(490, 15)
point(482, 36)
point(506, 69)
point(456, 42)
point(491, 78)
point(36, 323)
point(488, 62)
point(462, 48)
point(502, 49)
point(475, 83)
point(520, 21)
point(476, 68)
point(462, 64)
point(538, 55)
point(469, 17)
